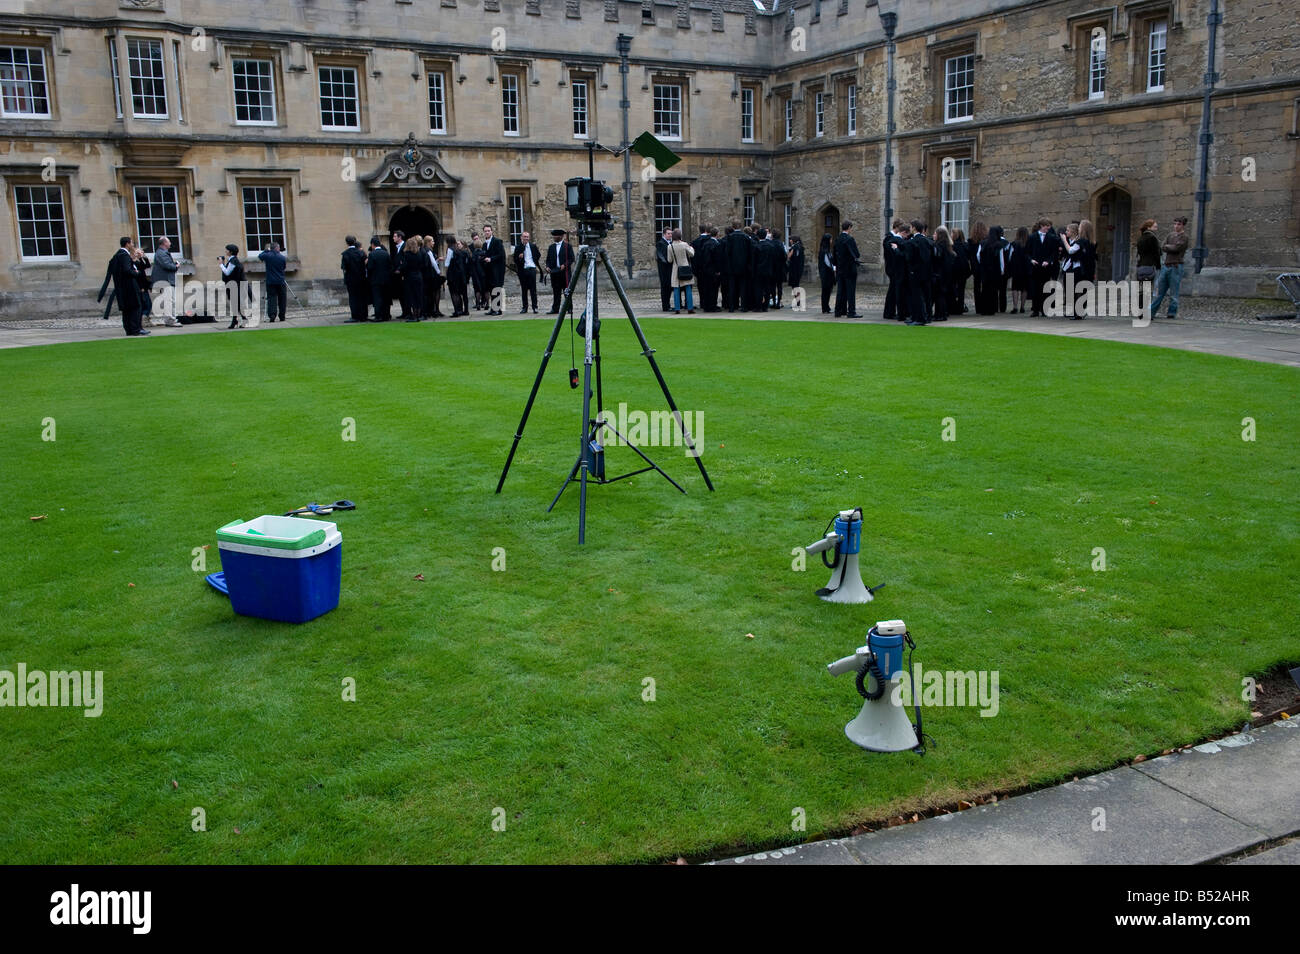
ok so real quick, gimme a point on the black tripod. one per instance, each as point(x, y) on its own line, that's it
point(590, 462)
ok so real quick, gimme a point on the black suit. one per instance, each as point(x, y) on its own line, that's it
point(1046, 250)
point(122, 272)
point(379, 270)
point(494, 270)
point(527, 276)
point(706, 271)
point(894, 270)
point(665, 271)
point(559, 266)
point(737, 251)
point(771, 269)
point(353, 264)
point(845, 256)
point(920, 278)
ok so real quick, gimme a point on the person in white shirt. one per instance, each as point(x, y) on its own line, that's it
point(527, 258)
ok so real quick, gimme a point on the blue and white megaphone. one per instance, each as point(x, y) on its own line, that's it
point(843, 537)
point(882, 725)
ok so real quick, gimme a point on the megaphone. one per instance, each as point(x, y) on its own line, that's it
point(882, 725)
point(843, 537)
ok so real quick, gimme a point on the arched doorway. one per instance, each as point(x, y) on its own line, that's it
point(1112, 213)
point(414, 220)
point(828, 220)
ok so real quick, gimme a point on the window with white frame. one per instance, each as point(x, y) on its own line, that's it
point(819, 113)
point(23, 92)
point(1157, 55)
point(668, 210)
point(955, 197)
point(789, 119)
point(851, 122)
point(254, 92)
point(1097, 64)
point(157, 216)
point(263, 217)
point(438, 102)
point(42, 223)
point(340, 106)
point(749, 209)
point(148, 78)
point(510, 103)
point(959, 88)
point(668, 110)
point(747, 114)
point(515, 216)
point(581, 127)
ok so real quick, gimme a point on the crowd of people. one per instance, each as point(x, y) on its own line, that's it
point(746, 269)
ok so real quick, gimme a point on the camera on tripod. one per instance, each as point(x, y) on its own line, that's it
point(587, 201)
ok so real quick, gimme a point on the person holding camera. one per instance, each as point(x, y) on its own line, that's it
point(277, 289)
point(232, 273)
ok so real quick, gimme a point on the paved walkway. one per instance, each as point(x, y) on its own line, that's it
point(1272, 342)
point(1217, 802)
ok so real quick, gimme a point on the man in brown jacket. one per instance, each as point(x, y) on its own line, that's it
point(1170, 279)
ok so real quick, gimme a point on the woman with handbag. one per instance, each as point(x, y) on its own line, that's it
point(680, 255)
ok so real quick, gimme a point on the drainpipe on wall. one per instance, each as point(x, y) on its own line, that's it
point(1200, 252)
point(624, 48)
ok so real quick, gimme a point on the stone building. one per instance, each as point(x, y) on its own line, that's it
point(299, 121)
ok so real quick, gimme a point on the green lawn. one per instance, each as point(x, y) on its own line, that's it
point(523, 689)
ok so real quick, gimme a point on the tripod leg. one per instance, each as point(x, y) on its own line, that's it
point(649, 356)
point(589, 256)
point(537, 384)
point(564, 486)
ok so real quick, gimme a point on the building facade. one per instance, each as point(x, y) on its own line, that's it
point(300, 121)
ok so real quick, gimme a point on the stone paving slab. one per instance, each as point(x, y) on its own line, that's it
point(1241, 776)
point(1156, 812)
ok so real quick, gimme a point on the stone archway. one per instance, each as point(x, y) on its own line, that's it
point(414, 220)
point(1112, 216)
point(828, 220)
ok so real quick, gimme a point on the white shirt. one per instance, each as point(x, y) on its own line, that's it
point(528, 256)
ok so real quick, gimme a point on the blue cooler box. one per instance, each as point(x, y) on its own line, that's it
point(283, 568)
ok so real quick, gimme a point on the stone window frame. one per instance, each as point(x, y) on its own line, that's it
point(356, 61)
point(171, 179)
point(936, 68)
point(276, 54)
point(754, 87)
point(684, 81)
point(1140, 19)
point(1079, 43)
point(782, 113)
point(127, 37)
point(522, 70)
point(843, 80)
point(590, 76)
point(63, 182)
point(809, 89)
point(45, 43)
point(932, 155)
point(683, 193)
point(447, 66)
point(287, 186)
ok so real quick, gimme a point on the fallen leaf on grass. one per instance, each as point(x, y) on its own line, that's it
point(237, 831)
point(39, 517)
point(131, 585)
point(749, 635)
point(1140, 758)
point(175, 785)
point(420, 577)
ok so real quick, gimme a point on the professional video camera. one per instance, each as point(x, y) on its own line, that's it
point(588, 201)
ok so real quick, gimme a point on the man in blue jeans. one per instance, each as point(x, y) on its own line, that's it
point(276, 288)
point(1170, 279)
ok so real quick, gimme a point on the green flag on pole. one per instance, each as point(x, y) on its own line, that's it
point(648, 147)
